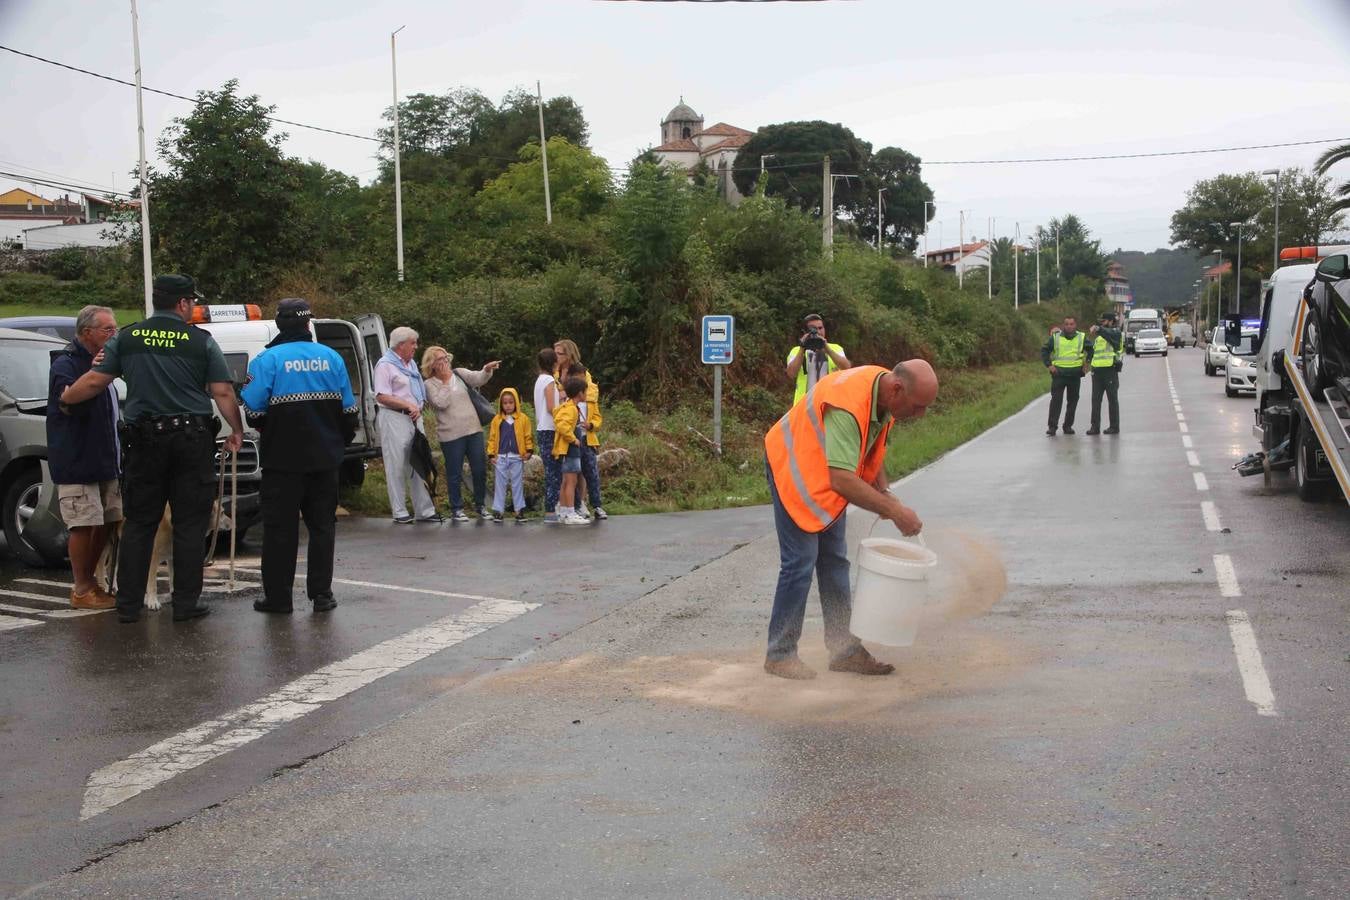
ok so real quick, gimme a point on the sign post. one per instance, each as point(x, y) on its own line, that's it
point(719, 344)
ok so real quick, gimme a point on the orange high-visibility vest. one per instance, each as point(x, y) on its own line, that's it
point(795, 447)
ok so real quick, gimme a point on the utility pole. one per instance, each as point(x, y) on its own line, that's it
point(1038, 264)
point(989, 251)
point(1237, 273)
point(1017, 235)
point(1056, 252)
point(398, 172)
point(827, 211)
point(1275, 254)
point(147, 272)
point(543, 151)
point(926, 204)
point(960, 251)
point(880, 191)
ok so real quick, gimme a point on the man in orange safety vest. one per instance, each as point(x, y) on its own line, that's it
point(826, 452)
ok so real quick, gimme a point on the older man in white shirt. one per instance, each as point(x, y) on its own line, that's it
point(401, 394)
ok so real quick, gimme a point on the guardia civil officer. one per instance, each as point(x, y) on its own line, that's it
point(1064, 356)
point(1105, 355)
point(173, 370)
point(299, 397)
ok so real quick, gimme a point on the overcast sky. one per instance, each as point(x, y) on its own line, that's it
point(946, 81)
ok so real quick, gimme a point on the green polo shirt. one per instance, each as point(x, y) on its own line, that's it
point(167, 365)
point(843, 439)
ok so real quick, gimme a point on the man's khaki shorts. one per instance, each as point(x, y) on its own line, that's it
point(90, 505)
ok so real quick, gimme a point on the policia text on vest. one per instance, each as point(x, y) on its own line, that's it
point(1065, 356)
point(173, 370)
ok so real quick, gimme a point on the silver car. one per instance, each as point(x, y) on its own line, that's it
point(28, 505)
point(1150, 340)
point(1239, 370)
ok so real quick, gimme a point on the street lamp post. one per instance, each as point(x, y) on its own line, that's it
point(926, 204)
point(1038, 264)
point(880, 191)
point(145, 192)
point(1237, 273)
point(989, 250)
point(1275, 253)
point(398, 172)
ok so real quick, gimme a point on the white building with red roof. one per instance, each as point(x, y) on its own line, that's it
point(686, 143)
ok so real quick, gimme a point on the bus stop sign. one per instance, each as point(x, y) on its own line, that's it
point(719, 336)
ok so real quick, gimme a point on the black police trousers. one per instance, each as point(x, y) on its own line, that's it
point(1105, 381)
point(1059, 386)
point(177, 468)
point(286, 498)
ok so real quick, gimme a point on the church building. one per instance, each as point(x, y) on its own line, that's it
point(686, 143)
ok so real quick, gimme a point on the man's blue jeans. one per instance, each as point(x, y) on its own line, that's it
point(799, 553)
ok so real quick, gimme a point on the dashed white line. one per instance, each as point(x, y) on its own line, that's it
point(10, 623)
point(1211, 515)
point(1186, 441)
point(172, 756)
point(1201, 482)
point(1192, 458)
point(1226, 575)
point(1184, 427)
point(45, 613)
point(1255, 682)
point(397, 587)
point(1181, 417)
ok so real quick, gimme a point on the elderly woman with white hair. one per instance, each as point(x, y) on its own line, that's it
point(401, 394)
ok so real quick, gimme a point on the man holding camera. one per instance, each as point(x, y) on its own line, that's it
point(1105, 356)
point(813, 357)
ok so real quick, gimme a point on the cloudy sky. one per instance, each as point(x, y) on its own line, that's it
point(946, 81)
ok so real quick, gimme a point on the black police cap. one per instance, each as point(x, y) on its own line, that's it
point(176, 286)
point(293, 312)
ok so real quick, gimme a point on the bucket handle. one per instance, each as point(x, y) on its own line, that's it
point(918, 537)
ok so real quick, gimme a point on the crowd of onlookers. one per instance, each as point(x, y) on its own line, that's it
point(470, 429)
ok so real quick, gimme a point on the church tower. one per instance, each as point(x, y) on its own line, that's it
point(681, 123)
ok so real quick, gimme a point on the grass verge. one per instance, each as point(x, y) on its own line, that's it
point(14, 310)
point(671, 465)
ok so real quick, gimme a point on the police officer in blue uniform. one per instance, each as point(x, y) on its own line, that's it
point(299, 397)
point(173, 371)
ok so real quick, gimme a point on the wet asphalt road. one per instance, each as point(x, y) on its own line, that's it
point(1093, 734)
point(84, 692)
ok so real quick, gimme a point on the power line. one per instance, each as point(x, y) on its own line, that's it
point(52, 62)
point(64, 185)
point(1047, 159)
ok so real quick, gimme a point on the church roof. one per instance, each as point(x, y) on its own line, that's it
point(730, 143)
point(722, 129)
point(681, 145)
point(682, 113)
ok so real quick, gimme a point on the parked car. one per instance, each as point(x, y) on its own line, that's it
point(1216, 357)
point(28, 503)
point(1183, 334)
point(1150, 340)
point(62, 327)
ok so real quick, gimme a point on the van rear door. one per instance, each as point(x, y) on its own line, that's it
point(346, 338)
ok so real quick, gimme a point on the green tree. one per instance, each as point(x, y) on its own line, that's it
point(1205, 223)
point(1309, 211)
point(1339, 153)
point(227, 207)
point(579, 184)
point(903, 207)
point(798, 150)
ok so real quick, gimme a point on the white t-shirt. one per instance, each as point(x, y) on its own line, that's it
point(543, 419)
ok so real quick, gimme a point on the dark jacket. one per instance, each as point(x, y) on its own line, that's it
point(82, 445)
point(299, 396)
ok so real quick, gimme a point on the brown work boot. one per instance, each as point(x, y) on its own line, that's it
point(791, 667)
point(95, 599)
point(863, 663)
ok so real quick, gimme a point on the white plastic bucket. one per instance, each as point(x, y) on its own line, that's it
point(892, 590)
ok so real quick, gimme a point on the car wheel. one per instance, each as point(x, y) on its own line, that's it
point(20, 502)
point(1209, 370)
point(1164, 353)
point(1314, 367)
point(1304, 460)
point(1228, 390)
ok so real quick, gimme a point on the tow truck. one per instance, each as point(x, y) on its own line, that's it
point(1302, 396)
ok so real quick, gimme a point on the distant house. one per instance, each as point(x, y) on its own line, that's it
point(80, 234)
point(961, 258)
point(20, 210)
point(104, 209)
point(1118, 291)
point(686, 143)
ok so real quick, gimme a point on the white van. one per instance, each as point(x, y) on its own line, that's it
point(1137, 320)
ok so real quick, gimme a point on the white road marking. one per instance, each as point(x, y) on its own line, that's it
point(1201, 483)
point(399, 587)
point(1255, 682)
point(1184, 427)
point(10, 623)
point(1180, 417)
point(1211, 514)
point(45, 613)
point(1226, 575)
point(172, 756)
point(1192, 458)
point(1186, 441)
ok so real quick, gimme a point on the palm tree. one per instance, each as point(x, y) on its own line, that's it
point(1333, 155)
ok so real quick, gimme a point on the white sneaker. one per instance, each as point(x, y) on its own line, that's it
point(583, 511)
point(573, 519)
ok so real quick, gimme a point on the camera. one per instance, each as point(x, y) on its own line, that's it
point(813, 340)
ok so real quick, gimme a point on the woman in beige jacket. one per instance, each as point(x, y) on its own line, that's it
point(457, 426)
